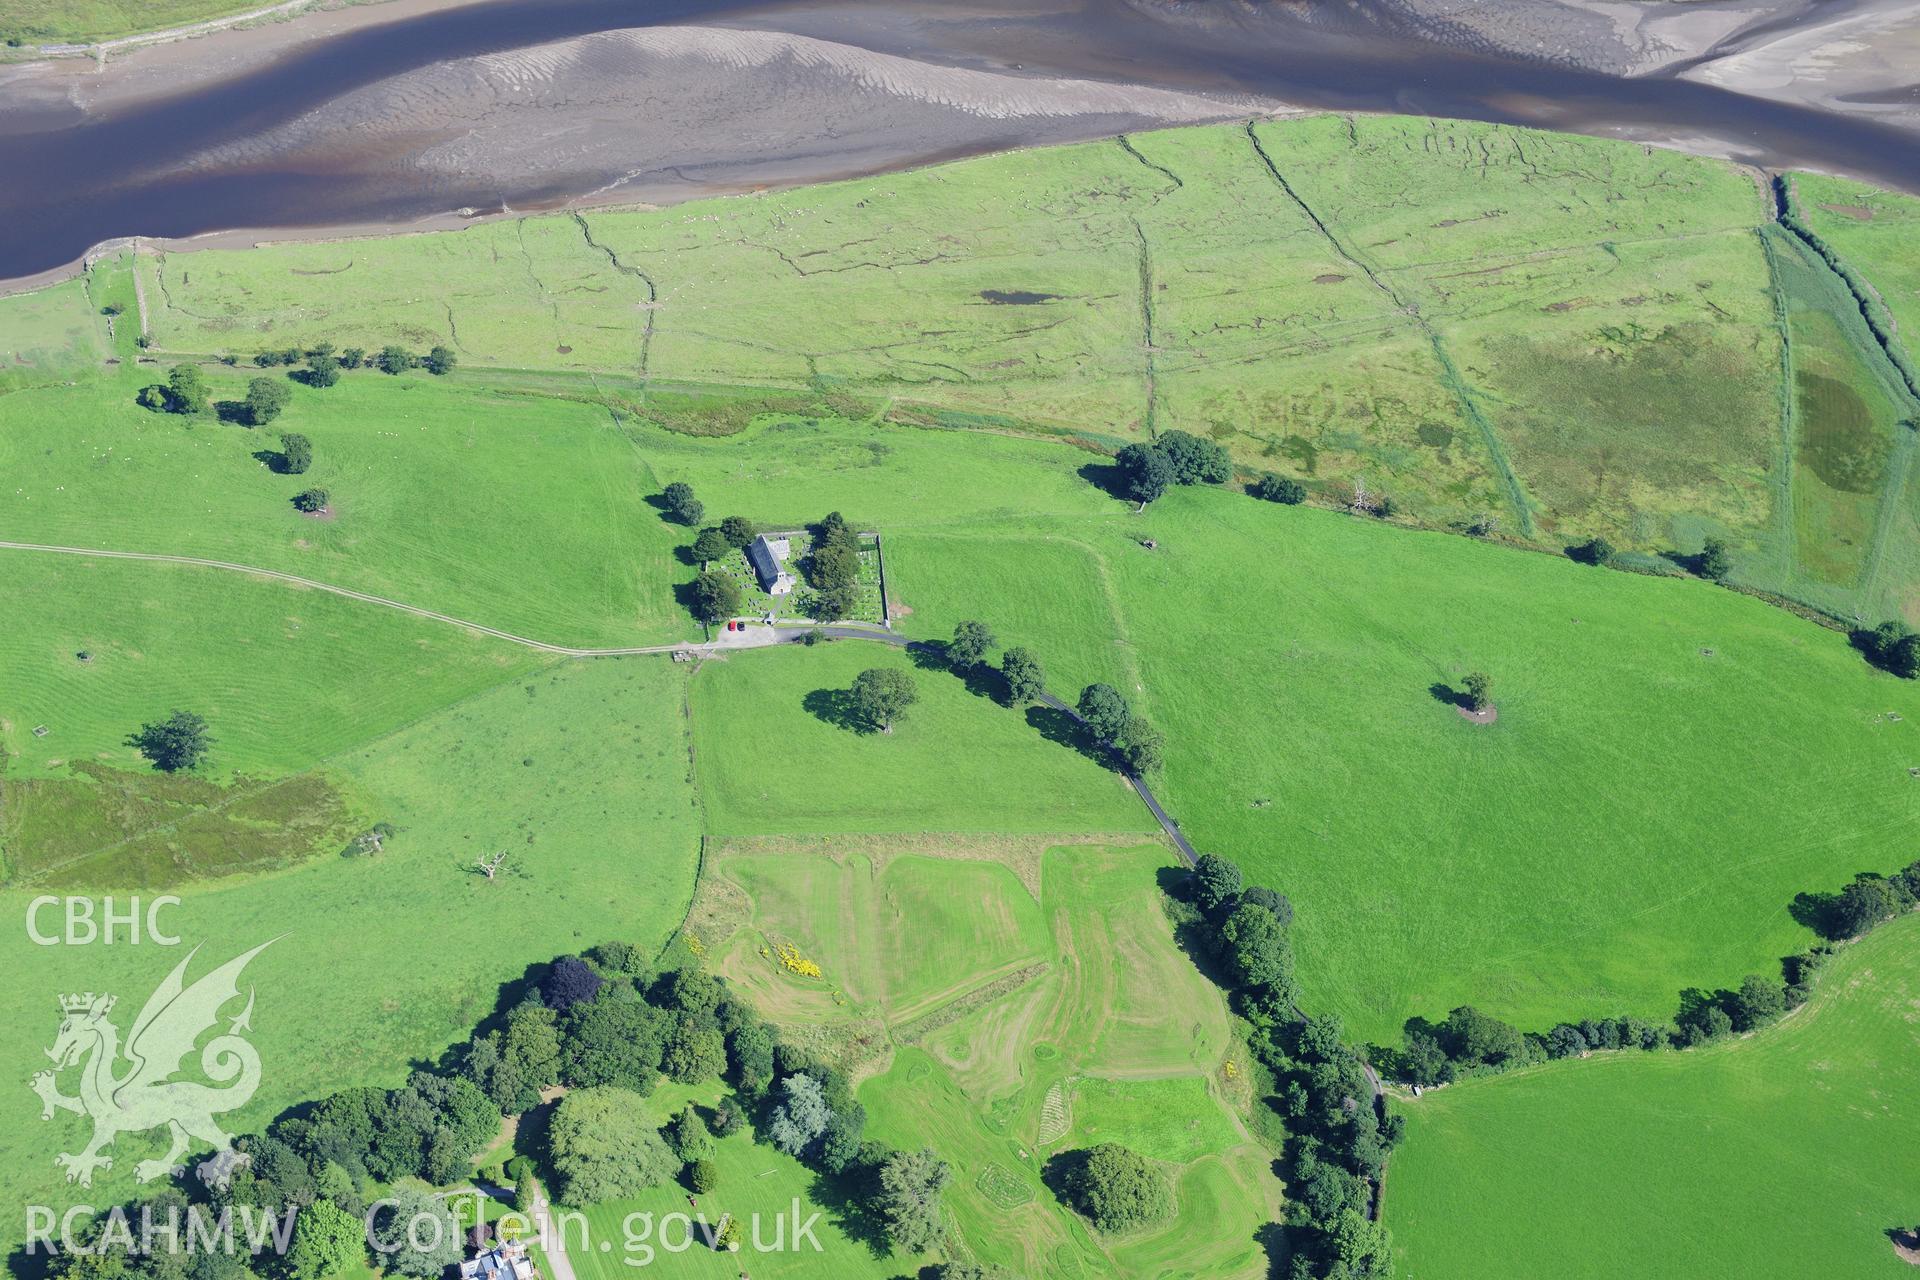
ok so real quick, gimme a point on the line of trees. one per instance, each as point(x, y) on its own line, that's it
point(1338, 1137)
point(1468, 1042)
point(325, 362)
point(608, 1024)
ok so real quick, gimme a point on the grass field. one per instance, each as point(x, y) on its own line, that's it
point(1873, 229)
point(1783, 1153)
point(1556, 864)
point(579, 771)
point(757, 1182)
point(522, 512)
point(1007, 1001)
point(1511, 343)
point(777, 755)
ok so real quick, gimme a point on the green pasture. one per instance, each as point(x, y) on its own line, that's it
point(1015, 1002)
point(579, 771)
point(1561, 862)
point(1787, 1152)
point(1539, 336)
point(525, 513)
point(286, 677)
point(776, 754)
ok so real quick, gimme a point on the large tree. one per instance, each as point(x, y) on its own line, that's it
point(1714, 562)
point(739, 530)
point(296, 453)
point(832, 565)
point(1141, 745)
point(1256, 949)
point(1105, 711)
point(440, 360)
point(1145, 472)
point(616, 1039)
point(911, 1184)
point(603, 1146)
point(424, 1228)
point(327, 1242)
point(186, 390)
point(882, 695)
point(1116, 1188)
point(801, 1115)
point(971, 640)
point(687, 1134)
point(711, 545)
point(716, 597)
point(681, 504)
point(266, 397)
point(1026, 681)
point(569, 980)
point(181, 741)
point(1216, 882)
point(1193, 460)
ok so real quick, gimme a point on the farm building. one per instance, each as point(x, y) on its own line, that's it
point(769, 559)
point(505, 1261)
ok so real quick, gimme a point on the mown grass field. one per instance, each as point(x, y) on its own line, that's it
point(778, 754)
point(1007, 1001)
point(1787, 1152)
point(579, 771)
point(1540, 336)
point(1637, 821)
point(757, 1184)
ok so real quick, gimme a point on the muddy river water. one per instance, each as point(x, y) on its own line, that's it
point(376, 124)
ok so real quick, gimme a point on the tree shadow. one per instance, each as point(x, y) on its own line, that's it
point(835, 707)
point(1688, 560)
point(1274, 1241)
point(844, 1200)
point(930, 655)
point(1060, 1172)
point(1819, 912)
point(233, 412)
point(684, 554)
point(983, 680)
point(1057, 726)
point(1907, 1238)
point(1107, 478)
point(1448, 695)
point(276, 461)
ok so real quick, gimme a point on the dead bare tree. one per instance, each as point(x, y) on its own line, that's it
point(490, 867)
point(1363, 502)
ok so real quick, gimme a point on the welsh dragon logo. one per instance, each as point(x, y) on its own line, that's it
point(130, 1090)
